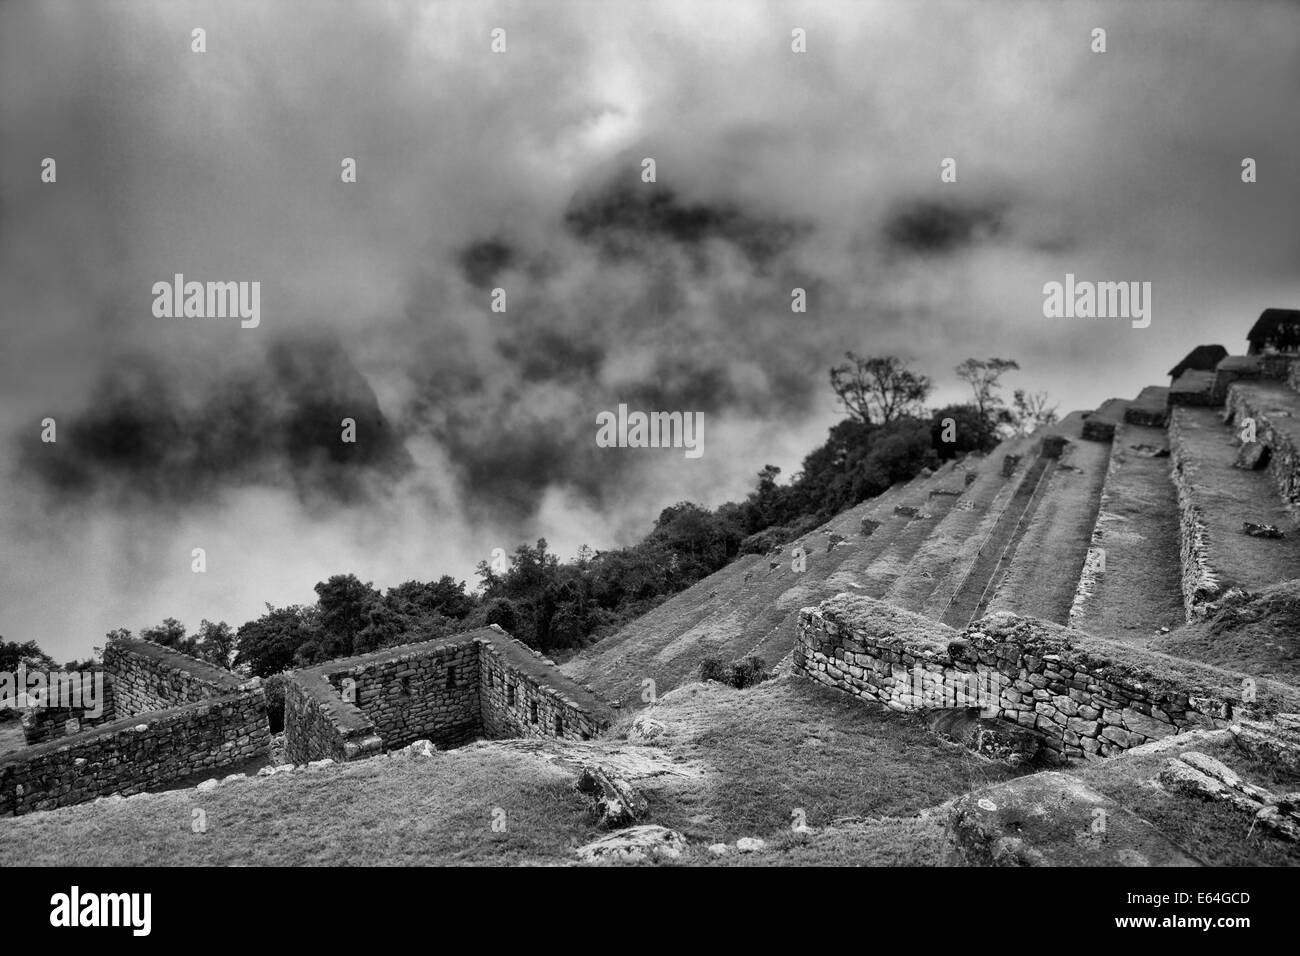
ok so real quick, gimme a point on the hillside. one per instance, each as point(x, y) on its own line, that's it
point(1126, 581)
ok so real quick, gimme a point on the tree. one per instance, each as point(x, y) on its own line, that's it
point(971, 431)
point(278, 638)
point(345, 604)
point(503, 614)
point(983, 376)
point(216, 644)
point(878, 388)
point(445, 596)
point(13, 654)
point(171, 633)
point(1031, 411)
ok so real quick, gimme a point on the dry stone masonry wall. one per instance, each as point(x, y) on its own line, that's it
point(136, 753)
point(1200, 583)
point(167, 716)
point(452, 690)
point(43, 724)
point(148, 677)
point(1084, 696)
point(523, 695)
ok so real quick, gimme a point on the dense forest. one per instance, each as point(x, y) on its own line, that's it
point(887, 435)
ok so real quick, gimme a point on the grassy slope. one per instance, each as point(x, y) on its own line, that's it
point(764, 752)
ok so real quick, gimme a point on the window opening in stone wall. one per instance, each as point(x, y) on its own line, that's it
point(451, 676)
point(510, 694)
point(559, 725)
point(532, 712)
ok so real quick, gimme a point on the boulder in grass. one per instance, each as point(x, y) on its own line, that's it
point(646, 728)
point(615, 802)
point(1260, 530)
point(421, 748)
point(634, 845)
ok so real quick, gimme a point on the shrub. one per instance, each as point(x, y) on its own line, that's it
point(274, 688)
point(713, 668)
point(748, 672)
point(739, 674)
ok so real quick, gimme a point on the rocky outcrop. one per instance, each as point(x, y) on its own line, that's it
point(1053, 819)
point(1203, 776)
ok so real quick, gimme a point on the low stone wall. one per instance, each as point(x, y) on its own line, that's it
point(133, 754)
point(451, 690)
point(1084, 696)
point(1199, 582)
point(148, 677)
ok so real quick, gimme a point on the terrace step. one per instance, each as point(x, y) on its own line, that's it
point(1235, 368)
point(1195, 388)
point(943, 487)
point(890, 563)
point(1150, 408)
point(1042, 574)
point(1275, 409)
point(1215, 501)
point(1130, 586)
point(731, 612)
point(941, 563)
point(971, 593)
point(1100, 425)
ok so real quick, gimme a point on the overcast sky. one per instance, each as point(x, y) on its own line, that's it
point(521, 170)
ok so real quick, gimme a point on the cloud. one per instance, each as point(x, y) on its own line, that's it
point(522, 170)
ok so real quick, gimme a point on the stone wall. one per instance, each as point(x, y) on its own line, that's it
point(451, 690)
point(319, 724)
point(1084, 696)
point(524, 695)
point(1199, 582)
point(136, 753)
point(424, 691)
point(43, 724)
point(148, 677)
